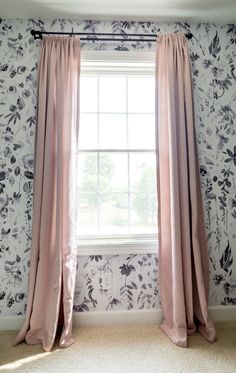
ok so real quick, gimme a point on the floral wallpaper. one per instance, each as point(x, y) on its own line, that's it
point(132, 283)
point(117, 281)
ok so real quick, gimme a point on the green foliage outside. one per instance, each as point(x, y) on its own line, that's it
point(143, 202)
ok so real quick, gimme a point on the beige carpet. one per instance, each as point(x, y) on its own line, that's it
point(124, 349)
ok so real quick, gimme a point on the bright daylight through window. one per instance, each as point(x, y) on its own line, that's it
point(117, 165)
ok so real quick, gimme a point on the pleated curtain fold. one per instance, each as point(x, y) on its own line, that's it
point(54, 252)
point(183, 253)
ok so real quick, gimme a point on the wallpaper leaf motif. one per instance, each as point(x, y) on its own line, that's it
point(226, 260)
point(134, 278)
point(215, 47)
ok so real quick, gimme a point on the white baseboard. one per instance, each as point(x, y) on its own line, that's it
point(222, 313)
point(11, 322)
point(133, 317)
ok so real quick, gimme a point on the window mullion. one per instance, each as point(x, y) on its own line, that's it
point(98, 162)
point(98, 188)
point(128, 154)
point(117, 150)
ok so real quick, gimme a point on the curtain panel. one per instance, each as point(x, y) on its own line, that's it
point(54, 252)
point(183, 253)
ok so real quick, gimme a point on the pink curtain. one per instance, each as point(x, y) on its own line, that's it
point(183, 246)
point(53, 258)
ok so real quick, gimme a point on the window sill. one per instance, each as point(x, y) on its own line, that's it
point(117, 247)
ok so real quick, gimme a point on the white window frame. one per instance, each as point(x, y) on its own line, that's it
point(133, 63)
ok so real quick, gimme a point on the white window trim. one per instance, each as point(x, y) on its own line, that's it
point(132, 63)
point(113, 245)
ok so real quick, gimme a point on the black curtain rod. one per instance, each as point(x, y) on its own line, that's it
point(90, 36)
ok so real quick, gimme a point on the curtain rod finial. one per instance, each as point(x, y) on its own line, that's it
point(36, 34)
point(189, 35)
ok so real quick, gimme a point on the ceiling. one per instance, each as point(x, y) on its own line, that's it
point(219, 11)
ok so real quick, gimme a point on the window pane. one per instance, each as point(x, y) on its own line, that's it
point(141, 129)
point(141, 95)
point(88, 214)
point(88, 172)
point(113, 172)
point(88, 94)
point(143, 214)
point(142, 172)
point(112, 94)
point(88, 131)
point(114, 213)
point(112, 131)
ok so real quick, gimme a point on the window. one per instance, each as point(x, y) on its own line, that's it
point(117, 165)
